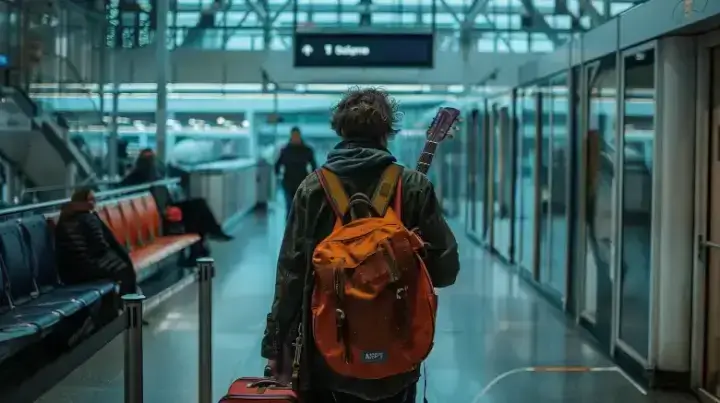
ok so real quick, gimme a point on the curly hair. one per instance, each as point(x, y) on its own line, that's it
point(368, 113)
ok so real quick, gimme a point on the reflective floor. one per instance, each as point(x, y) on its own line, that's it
point(491, 328)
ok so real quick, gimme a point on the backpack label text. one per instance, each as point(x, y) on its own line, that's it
point(371, 357)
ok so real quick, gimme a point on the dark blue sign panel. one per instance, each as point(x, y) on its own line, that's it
point(364, 50)
point(4, 60)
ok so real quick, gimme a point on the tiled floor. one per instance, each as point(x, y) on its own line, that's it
point(490, 324)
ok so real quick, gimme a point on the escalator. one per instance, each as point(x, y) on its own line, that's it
point(202, 35)
point(38, 146)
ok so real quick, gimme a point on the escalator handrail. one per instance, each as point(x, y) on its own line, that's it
point(25, 102)
point(104, 195)
point(79, 80)
point(72, 6)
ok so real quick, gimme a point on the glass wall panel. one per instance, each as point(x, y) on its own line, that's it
point(526, 177)
point(482, 169)
point(493, 173)
point(502, 220)
point(576, 206)
point(520, 192)
point(544, 183)
point(599, 146)
point(639, 144)
point(456, 162)
point(557, 206)
point(473, 131)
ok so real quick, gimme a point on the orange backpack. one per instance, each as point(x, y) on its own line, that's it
point(373, 304)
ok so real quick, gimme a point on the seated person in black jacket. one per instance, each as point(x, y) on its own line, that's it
point(197, 216)
point(86, 249)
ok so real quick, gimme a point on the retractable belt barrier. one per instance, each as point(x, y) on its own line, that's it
point(133, 311)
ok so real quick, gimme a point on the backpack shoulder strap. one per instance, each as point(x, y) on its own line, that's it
point(334, 191)
point(385, 190)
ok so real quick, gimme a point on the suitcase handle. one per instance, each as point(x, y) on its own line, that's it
point(267, 383)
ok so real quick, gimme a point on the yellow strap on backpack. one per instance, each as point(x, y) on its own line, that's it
point(339, 201)
point(334, 191)
point(385, 190)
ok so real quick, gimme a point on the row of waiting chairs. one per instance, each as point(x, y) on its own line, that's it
point(34, 300)
point(35, 303)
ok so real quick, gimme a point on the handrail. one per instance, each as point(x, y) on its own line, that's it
point(99, 196)
point(78, 79)
point(41, 189)
point(23, 101)
point(96, 15)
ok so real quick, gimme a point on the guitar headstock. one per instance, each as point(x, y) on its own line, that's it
point(442, 124)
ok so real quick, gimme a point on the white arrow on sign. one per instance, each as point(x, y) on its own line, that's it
point(307, 50)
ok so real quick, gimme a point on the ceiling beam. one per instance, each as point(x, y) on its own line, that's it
point(540, 22)
point(587, 8)
point(478, 7)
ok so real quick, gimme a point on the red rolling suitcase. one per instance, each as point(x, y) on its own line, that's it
point(258, 390)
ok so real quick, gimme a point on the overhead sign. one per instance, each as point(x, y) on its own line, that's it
point(409, 50)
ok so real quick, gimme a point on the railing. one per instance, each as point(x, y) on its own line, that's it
point(96, 151)
point(58, 88)
point(129, 324)
point(22, 100)
point(51, 206)
point(32, 193)
point(133, 366)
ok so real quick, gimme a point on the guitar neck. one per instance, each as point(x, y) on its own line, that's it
point(426, 157)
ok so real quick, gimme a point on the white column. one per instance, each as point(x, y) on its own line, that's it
point(253, 136)
point(113, 127)
point(162, 60)
point(673, 205)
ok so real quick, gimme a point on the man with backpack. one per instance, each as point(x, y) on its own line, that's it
point(364, 245)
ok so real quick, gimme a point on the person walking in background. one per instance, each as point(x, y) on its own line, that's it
point(294, 159)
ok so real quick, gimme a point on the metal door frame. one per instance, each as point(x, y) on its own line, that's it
point(514, 147)
point(535, 265)
point(471, 165)
point(703, 129)
point(590, 71)
point(491, 186)
point(617, 342)
point(574, 85)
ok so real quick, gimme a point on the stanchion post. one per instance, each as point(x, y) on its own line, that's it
point(133, 304)
point(206, 270)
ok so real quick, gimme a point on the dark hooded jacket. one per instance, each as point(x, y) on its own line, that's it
point(359, 165)
point(86, 249)
point(145, 171)
point(295, 158)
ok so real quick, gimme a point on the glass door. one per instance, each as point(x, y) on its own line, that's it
point(491, 176)
point(543, 183)
point(554, 183)
point(503, 173)
point(599, 152)
point(526, 178)
point(634, 243)
point(481, 175)
point(519, 173)
point(454, 163)
point(471, 139)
